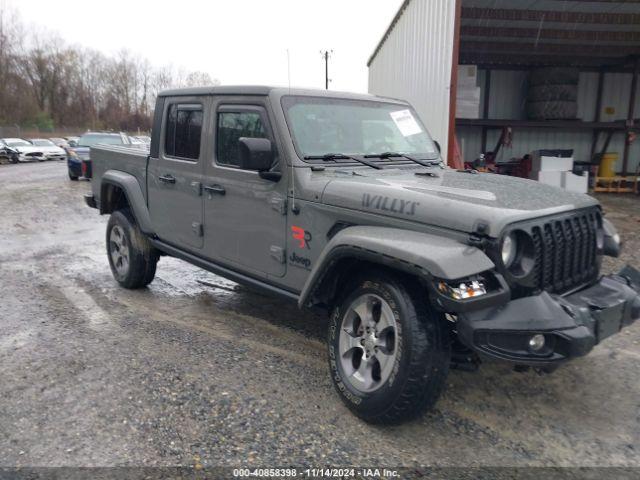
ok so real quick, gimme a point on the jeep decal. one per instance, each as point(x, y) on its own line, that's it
point(299, 261)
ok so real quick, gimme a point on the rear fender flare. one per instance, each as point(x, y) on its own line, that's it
point(133, 192)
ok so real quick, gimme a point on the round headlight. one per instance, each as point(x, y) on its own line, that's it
point(509, 248)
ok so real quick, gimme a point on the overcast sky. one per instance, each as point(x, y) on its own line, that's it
point(236, 41)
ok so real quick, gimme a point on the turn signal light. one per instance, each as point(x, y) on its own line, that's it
point(468, 289)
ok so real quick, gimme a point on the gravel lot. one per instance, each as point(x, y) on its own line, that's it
point(185, 373)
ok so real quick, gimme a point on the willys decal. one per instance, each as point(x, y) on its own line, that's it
point(387, 204)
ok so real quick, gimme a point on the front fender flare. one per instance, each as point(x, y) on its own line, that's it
point(428, 254)
point(132, 190)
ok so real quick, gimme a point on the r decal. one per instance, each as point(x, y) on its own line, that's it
point(303, 236)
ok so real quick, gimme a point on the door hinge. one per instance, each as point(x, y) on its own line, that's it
point(277, 253)
point(197, 188)
point(279, 204)
point(197, 228)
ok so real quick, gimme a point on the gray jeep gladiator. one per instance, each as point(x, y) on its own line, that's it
point(341, 202)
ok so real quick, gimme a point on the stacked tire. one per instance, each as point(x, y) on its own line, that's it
point(553, 94)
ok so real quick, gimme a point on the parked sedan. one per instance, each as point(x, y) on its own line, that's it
point(72, 141)
point(79, 159)
point(50, 150)
point(60, 142)
point(8, 154)
point(27, 152)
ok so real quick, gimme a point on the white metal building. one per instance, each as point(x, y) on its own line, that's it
point(417, 56)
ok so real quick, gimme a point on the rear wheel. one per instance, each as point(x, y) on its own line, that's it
point(388, 352)
point(131, 257)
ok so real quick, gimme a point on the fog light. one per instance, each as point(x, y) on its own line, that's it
point(536, 342)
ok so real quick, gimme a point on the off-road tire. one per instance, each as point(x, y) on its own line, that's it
point(422, 360)
point(555, 110)
point(554, 76)
point(552, 93)
point(142, 256)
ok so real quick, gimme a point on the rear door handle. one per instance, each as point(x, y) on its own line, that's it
point(217, 189)
point(167, 179)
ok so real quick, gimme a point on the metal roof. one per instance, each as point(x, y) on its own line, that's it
point(263, 90)
point(544, 32)
point(218, 90)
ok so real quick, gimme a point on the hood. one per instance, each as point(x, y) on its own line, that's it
point(52, 149)
point(28, 149)
point(450, 199)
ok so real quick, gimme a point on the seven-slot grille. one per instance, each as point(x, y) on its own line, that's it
point(565, 251)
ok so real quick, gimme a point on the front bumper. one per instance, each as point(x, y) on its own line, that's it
point(571, 324)
point(90, 200)
point(31, 157)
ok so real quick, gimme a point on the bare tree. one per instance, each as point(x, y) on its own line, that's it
point(44, 79)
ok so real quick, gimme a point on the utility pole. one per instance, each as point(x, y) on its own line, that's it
point(326, 54)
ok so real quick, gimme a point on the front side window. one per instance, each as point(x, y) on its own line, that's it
point(322, 125)
point(43, 143)
point(183, 131)
point(231, 127)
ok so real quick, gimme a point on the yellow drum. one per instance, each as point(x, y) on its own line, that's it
point(608, 165)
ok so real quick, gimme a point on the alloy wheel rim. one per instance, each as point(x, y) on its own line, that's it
point(119, 250)
point(368, 343)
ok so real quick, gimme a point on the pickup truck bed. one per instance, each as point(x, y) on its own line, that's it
point(133, 161)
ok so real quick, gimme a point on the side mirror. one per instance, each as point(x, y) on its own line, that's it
point(255, 154)
point(73, 143)
point(438, 146)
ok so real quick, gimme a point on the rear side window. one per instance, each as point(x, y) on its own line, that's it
point(231, 127)
point(183, 131)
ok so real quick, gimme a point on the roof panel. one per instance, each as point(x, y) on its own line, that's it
point(543, 23)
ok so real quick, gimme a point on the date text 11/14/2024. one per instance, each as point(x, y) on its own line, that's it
point(316, 472)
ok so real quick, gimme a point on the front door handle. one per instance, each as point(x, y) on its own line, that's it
point(217, 189)
point(167, 178)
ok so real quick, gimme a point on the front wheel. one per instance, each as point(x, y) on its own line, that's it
point(388, 351)
point(131, 257)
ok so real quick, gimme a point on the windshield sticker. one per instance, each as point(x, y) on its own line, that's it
point(405, 122)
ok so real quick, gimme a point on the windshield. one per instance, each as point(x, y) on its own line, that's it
point(43, 143)
point(18, 143)
point(322, 125)
point(94, 139)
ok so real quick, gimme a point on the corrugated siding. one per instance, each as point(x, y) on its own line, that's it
point(508, 89)
point(414, 63)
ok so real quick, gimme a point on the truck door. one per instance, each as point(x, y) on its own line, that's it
point(245, 215)
point(175, 177)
